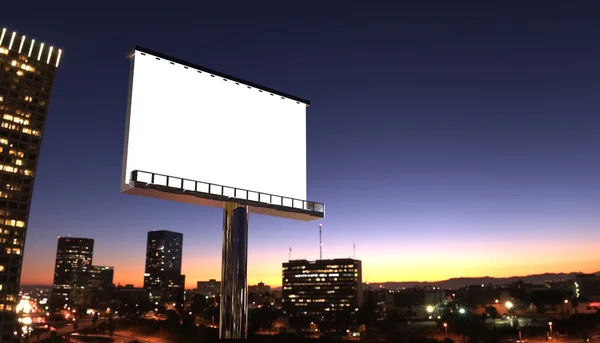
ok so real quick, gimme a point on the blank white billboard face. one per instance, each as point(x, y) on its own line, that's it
point(190, 124)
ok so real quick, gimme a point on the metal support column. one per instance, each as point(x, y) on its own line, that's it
point(234, 273)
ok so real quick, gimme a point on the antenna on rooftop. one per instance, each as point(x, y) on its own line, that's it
point(320, 243)
point(354, 251)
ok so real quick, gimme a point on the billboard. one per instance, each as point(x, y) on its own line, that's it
point(193, 129)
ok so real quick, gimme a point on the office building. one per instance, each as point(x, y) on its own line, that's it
point(27, 69)
point(261, 288)
point(72, 270)
point(162, 276)
point(101, 278)
point(587, 287)
point(324, 289)
point(208, 288)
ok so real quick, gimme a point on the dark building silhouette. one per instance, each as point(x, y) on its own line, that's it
point(72, 270)
point(27, 69)
point(323, 289)
point(162, 276)
point(101, 278)
point(208, 288)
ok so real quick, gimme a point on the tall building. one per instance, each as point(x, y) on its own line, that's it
point(72, 270)
point(162, 276)
point(27, 69)
point(323, 289)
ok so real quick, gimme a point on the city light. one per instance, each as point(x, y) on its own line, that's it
point(429, 309)
point(461, 311)
point(509, 305)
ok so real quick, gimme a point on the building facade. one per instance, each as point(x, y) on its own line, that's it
point(208, 288)
point(27, 69)
point(72, 270)
point(101, 278)
point(162, 275)
point(587, 287)
point(323, 289)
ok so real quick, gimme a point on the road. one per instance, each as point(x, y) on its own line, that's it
point(126, 337)
point(84, 323)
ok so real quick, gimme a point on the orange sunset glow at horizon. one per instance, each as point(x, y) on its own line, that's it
point(374, 271)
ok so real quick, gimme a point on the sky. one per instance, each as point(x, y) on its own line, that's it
point(446, 138)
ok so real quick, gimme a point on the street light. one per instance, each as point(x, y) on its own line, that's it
point(446, 329)
point(566, 316)
point(550, 325)
point(429, 309)
point(509, 305)
point(461, 311)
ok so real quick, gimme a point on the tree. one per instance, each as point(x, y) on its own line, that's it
point(366, 313)
point(199, 304)
point(94, 319)
point(111, 327)
point(492, 312)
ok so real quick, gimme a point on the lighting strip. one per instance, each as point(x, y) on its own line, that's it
point(31, 47)
point(58, 58)
point(21, 45)
point(49, 55)
point(12, 39)
point(40, 52)
point(2, 37)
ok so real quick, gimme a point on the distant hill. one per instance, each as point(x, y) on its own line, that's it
point(455, 283)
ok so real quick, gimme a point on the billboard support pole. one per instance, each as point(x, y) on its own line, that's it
point(234, 273)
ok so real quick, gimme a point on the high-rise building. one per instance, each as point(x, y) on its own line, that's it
point(72, 270)
point(323, 289)
point(162, 276)
point(101, 278)
point(27, 69)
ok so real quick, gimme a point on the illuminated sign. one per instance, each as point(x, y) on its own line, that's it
point(595, 304)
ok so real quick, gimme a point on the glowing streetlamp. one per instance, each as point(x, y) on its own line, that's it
point(446, 329)
point(429, 309)
point(509, 305)
point(550, 325)
point(461, 311)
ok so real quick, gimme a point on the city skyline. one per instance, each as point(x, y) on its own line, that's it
point(450, 152)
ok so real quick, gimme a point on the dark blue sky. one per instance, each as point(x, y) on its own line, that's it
point(464, 128)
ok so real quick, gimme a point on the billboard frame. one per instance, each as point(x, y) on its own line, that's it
point(234, 285)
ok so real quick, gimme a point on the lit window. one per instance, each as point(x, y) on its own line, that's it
point(4, 141)
point(1, 99)
point(3, 51)
point(13, 63)
point(28, 99)
point(20, 73)
point(19, 162)
point(15, 152)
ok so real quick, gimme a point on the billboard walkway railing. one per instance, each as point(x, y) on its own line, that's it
point(225, 193)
